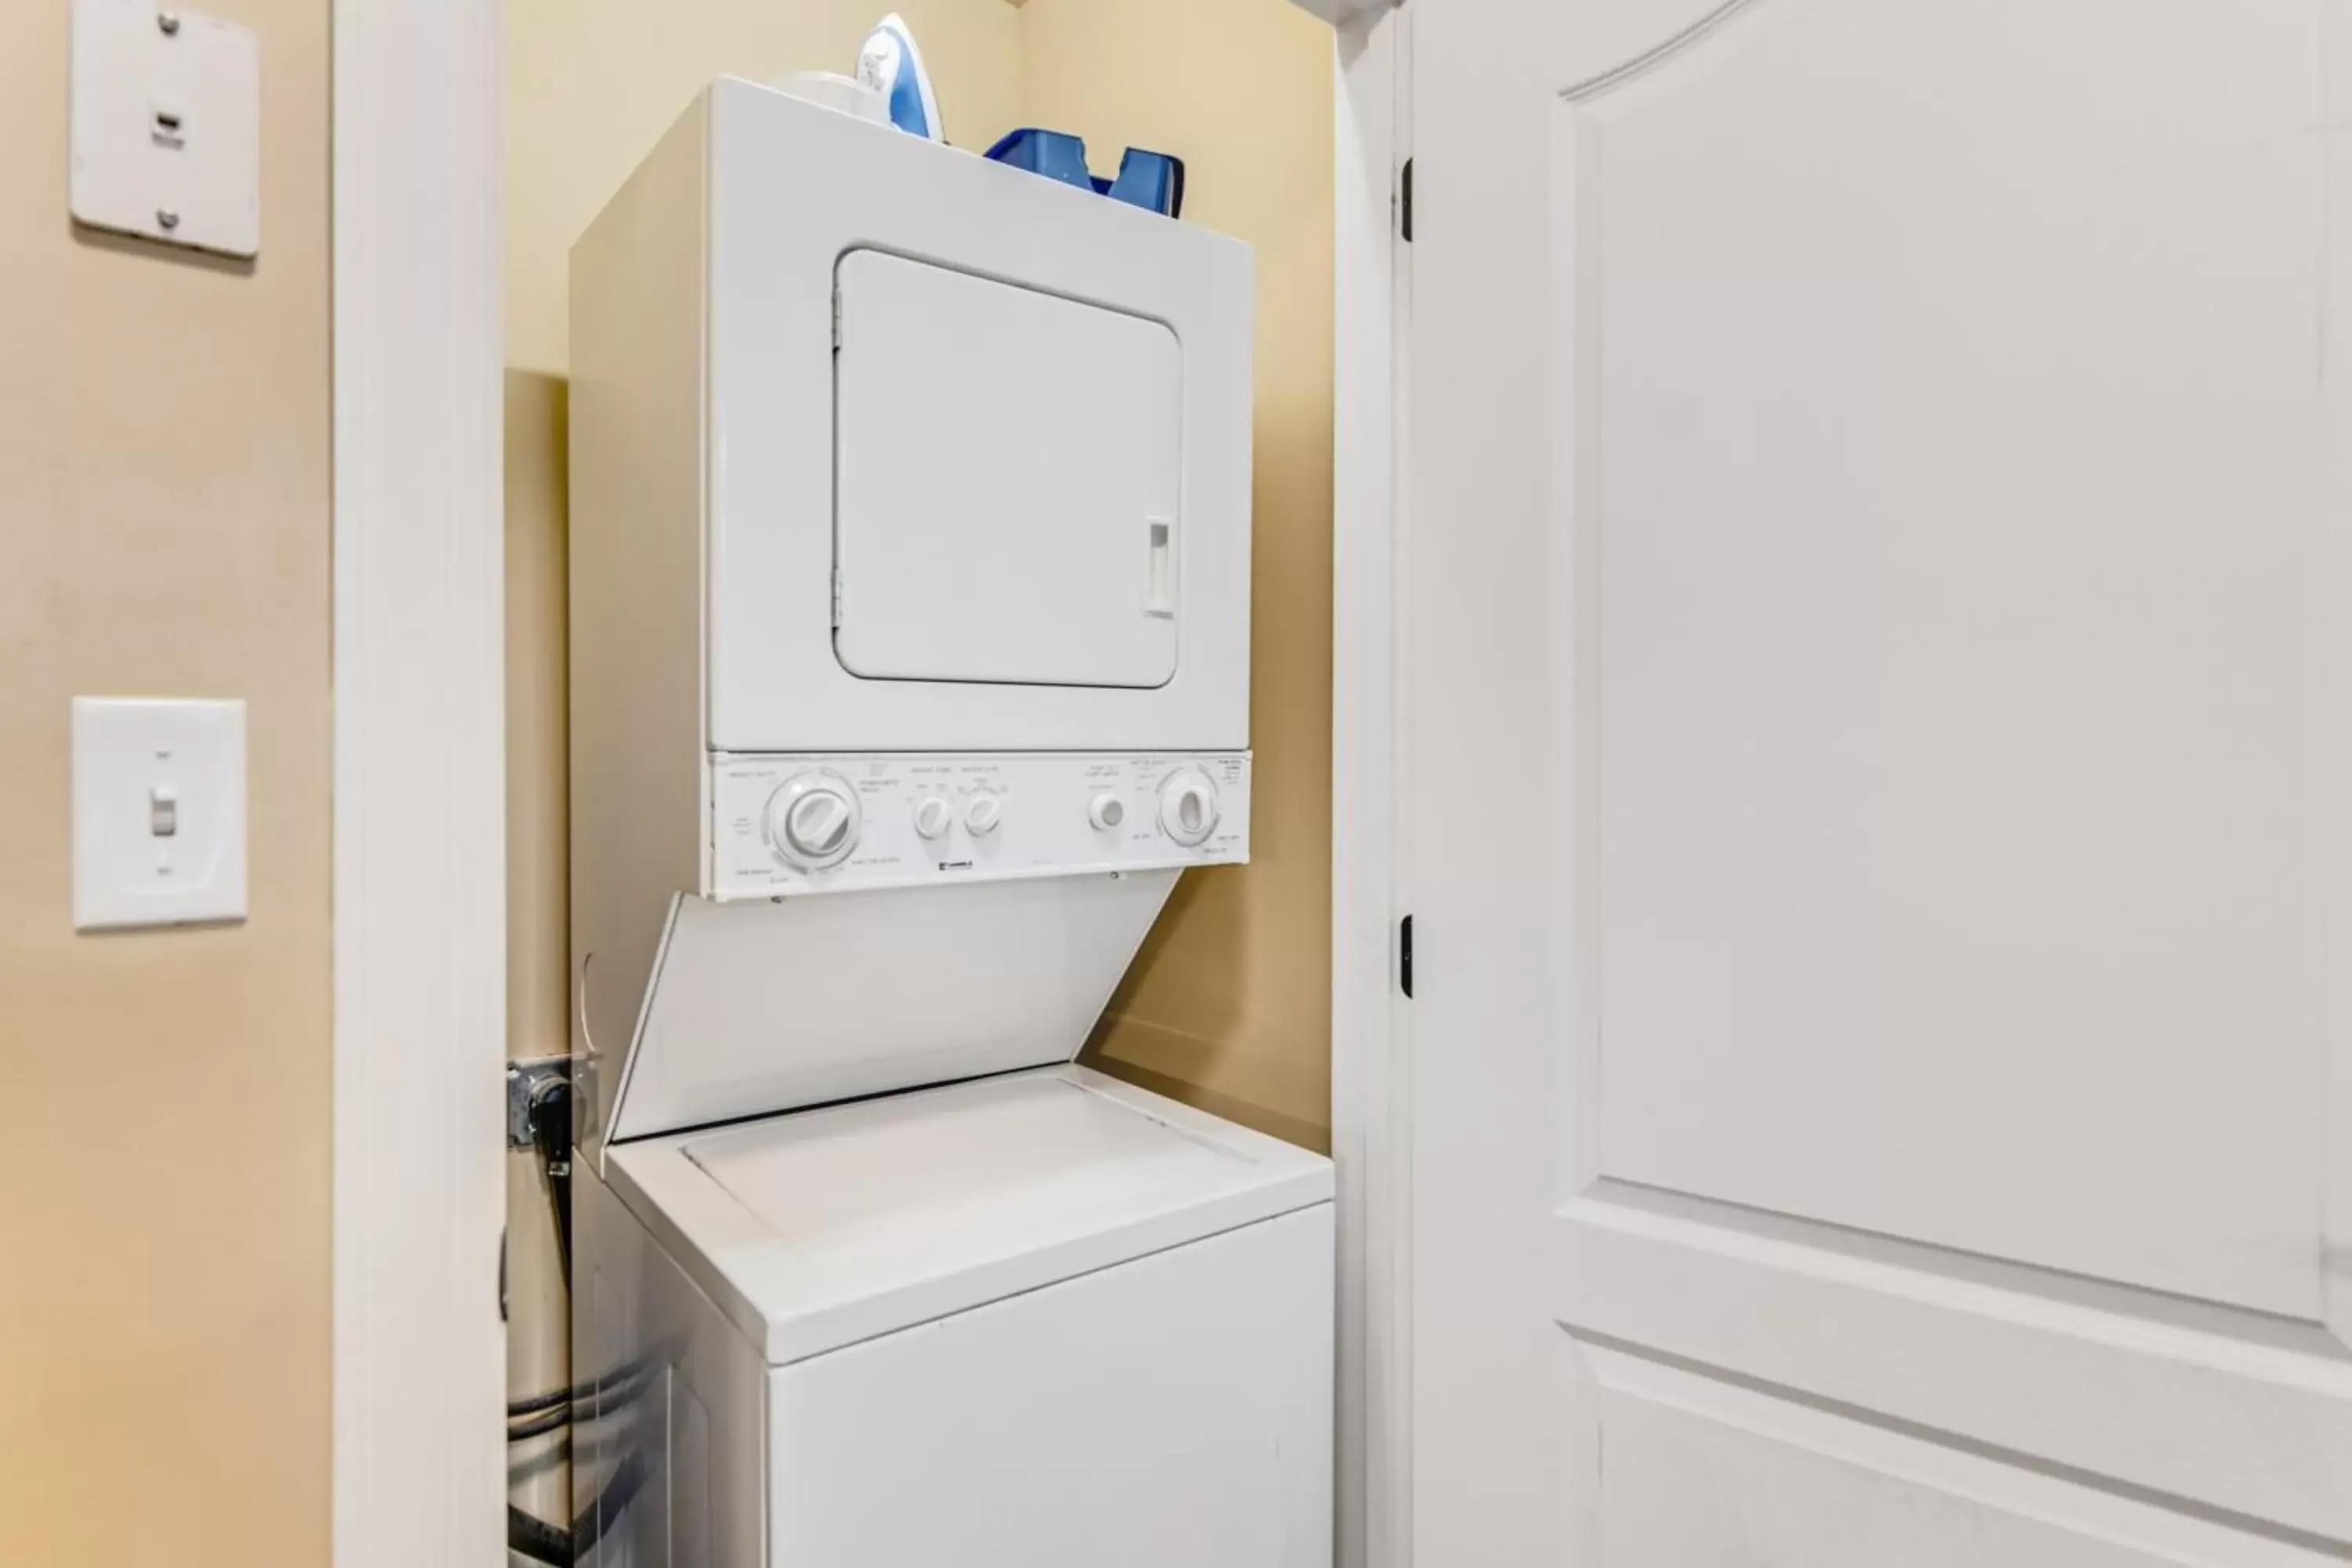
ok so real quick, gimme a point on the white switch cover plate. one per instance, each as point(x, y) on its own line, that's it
point(167, 125)
point(158, 812)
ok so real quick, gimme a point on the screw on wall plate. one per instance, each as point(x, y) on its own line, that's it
point(169, 21)
point(166, 218)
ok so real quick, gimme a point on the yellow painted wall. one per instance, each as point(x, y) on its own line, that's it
point(164, 1160)
point(1229, 1005)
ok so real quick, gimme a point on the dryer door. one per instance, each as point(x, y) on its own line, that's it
point(1007, 482)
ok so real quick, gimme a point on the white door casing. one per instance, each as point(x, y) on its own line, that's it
point(1877, 531)
point(1370, 1139)
point(419, 1369)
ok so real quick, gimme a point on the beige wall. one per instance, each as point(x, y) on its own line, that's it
point(538, 1349)
point(1230, 1004)
point(164, 1176)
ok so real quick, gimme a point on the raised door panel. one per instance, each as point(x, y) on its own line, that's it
point(1705, 1474)
point(1959, 491)
point(1949, 514)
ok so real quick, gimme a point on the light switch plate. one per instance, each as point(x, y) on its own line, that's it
point(158, 812)
point(167, 125)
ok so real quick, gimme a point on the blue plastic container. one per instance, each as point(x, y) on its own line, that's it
point(1152, 181)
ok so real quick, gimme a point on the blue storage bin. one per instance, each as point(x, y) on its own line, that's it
point(1153, 181)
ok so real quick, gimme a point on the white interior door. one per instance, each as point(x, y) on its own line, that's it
point(1877, 569)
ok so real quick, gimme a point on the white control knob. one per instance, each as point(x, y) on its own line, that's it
point(1188, 808)
point(932, 817)
point(814, 821)
point(1107, 812)
point(818, 826)
point(980, 817)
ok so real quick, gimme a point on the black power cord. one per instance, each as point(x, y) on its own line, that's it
point(606, 1394)
point(551, 1130)
point(543, 1542)
point(536, 1539)
point(550, 1420)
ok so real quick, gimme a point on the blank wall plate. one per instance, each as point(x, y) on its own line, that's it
point(158, 813)
point(167, 125)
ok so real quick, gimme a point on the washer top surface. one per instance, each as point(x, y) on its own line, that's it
point(822, 1227)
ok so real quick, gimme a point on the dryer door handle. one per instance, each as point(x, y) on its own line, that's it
point(1160, 599)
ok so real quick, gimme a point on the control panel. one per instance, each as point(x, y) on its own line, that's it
point(788, 825)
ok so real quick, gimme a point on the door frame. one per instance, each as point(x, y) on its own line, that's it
point(418, 1359)
point(1371, 1031)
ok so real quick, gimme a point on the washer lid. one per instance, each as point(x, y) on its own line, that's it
point(828, 1227)
point(1008, 475)
point(759, 1007)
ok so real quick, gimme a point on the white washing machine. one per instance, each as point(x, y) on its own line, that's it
point(909, 547)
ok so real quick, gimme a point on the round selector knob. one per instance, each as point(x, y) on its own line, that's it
point(932, 817)
point(1107, 812)
point(981, 818)
point(814, 821)
point(1188, 808)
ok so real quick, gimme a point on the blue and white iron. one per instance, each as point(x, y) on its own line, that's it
point(892, 65)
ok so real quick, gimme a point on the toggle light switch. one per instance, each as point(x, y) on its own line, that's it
point(159, 825)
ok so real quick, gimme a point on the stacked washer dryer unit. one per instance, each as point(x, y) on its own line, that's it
point(909, 670)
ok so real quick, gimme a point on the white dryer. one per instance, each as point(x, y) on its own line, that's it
point(910, 548)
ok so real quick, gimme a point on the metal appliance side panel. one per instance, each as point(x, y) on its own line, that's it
point(670, 1441)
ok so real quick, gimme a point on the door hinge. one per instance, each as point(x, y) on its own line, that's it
point(837, 321)
point(836, 598)
point(1404, 217)
point(1404, 956)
